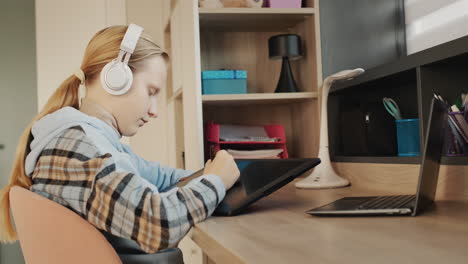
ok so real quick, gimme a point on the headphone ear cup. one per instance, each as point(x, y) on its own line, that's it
point(116, 77)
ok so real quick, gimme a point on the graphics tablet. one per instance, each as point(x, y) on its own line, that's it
point(259, 178)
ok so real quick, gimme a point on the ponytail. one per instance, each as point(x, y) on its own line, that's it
point(65, 95)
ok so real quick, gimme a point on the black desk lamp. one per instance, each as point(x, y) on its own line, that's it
point(285, 46)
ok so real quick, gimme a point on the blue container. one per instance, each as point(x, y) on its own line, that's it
point(408, 137)
point(224, 82)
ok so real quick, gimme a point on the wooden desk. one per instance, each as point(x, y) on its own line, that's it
point(276, 230)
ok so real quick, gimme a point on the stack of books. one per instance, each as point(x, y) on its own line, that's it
point(457, 136)
point(457, 121)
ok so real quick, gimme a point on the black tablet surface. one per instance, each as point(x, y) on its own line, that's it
point(258, 178)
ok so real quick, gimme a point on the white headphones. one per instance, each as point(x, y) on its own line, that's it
point(116, 76)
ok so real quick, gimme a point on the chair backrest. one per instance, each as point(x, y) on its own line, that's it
point(50, 233)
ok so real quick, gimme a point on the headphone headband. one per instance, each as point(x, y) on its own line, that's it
point(131, 38)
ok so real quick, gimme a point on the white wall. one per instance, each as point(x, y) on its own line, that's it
point(433, 22)
point(64, 28)
point(151, 142)
point(63, 31)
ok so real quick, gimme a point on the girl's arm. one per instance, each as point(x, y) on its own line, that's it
point(73, 172)
point(128, 206)
point(161, 177)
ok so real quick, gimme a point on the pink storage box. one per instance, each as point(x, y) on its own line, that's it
point(213, 144)
point(285, 3)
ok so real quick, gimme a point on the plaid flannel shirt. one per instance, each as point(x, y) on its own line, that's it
point(73, 172)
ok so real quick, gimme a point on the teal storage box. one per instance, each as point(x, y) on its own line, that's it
point(224, 82)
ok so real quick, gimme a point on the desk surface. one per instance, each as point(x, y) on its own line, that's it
point(276, 230)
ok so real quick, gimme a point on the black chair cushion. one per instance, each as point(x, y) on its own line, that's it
point(130, 253)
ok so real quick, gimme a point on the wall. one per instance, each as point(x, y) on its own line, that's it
point(151, 142)
point(18, 94)
point(433, 22)
point(63, 31)
point(360, 33)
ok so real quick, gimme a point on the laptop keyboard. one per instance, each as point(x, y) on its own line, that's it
point(387, 202)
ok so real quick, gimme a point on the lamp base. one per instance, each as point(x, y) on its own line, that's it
point(286, 83)
point(322, 177)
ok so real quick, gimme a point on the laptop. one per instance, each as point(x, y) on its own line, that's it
point(401, 204)
point(258, 178)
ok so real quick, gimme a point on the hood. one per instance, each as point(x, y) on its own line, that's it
point(52, 125)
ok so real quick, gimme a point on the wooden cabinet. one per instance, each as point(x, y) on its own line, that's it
point(237, 38)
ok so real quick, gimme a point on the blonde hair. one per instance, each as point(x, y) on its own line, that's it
point(103, 47)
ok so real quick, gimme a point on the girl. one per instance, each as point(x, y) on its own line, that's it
point(71, 152)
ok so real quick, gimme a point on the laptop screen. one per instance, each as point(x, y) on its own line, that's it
point(432, 153)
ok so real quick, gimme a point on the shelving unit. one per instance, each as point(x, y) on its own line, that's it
point(237, 38)
point(411, 81)
point(214, 141)
point(257, 98)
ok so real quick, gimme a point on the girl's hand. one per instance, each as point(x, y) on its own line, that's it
point(223, 165)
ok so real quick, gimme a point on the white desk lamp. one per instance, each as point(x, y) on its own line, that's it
point(323, 176)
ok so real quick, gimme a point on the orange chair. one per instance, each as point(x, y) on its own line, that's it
point(50, 233)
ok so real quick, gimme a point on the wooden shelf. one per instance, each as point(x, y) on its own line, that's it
point(257, 98)
point(377, 159)
point(397, 160)
point(454, 161)
point(252, 19)
point(454, 51)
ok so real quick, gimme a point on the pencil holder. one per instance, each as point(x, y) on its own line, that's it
point(408, 137)
point(454, 143)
